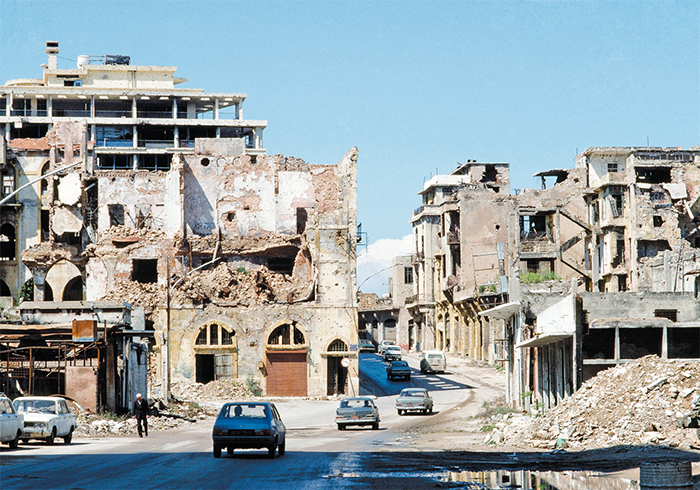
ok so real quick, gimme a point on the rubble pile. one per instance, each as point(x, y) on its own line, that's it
point(147, 295)
point(236, 286)
point(214, 390)
point(630, 404)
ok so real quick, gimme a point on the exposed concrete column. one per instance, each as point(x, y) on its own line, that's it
point(8, 107)
point(175, 110)
point(239, 110)
point(176, 137)
point(134, 109)
point(135, 136)
point(49, 107)
point(92, 106)
point(216, 112)
point(258, 138)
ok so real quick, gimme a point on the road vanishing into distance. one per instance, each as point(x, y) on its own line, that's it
point(318, 455)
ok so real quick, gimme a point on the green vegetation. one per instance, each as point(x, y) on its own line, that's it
point(242, 270)
point(535, 277)
point(491, 409)
point(26, 292)
point(253, 385)
point(487, 428)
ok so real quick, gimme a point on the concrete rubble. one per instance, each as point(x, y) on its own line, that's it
point(637, 403)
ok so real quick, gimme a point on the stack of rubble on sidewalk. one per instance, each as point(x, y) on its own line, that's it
point(636, 403)
point(185, 409)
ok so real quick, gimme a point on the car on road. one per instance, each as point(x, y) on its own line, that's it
point(414, 400)
point(249, 425)
point(45, 417)
point(366, 345)
point(432, 361)
point(359, 410)
point(383, 345)
point(398, 369)
point(392, 353)
point(11, 422)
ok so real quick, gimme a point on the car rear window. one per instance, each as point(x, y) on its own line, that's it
point(250, 411)
point(412, 393)
point(434, 356)
point(355, 403)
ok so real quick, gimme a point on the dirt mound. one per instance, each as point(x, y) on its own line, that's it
point(631, 404)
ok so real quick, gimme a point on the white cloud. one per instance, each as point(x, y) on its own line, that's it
point(377, 256)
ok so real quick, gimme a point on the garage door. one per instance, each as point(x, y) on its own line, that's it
point(286, 373)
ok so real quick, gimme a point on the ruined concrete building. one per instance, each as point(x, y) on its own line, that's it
point(490, 266)
point(118, 185)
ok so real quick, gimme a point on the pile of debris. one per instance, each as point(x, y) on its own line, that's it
point(643, 402)
point(187, 407)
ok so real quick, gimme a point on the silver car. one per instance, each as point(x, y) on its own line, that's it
point(359, 410)
point(414, 399)
point(249, 425)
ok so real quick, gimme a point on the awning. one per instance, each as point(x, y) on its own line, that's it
point(544, 339)
point(502, 312)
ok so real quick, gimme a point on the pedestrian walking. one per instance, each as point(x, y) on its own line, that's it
point(140, 413)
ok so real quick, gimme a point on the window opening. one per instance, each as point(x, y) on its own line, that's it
point(658, 221)
point(670, 314)
point(202, 337)
point(337, 346)
point(115, 162)
point(7, 242)
point(302, 217)
point(285, 334)
point(213, 334)
point(408, 275)
point(116, 214)
point(653, 175)
point(145, 271)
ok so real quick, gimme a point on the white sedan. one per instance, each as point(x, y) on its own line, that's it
point(45, 417)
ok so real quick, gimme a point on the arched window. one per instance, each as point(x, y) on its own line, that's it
point(4, 289)
point(73, 290)
point(45, 182)
point(338, 346)
point(7, 242)
point(286, 335)
point(214, 334)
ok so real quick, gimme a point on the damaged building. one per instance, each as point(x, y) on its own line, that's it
point(119, 185)
point(620, 224)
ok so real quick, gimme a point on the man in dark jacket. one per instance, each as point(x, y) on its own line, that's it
point(140, 413)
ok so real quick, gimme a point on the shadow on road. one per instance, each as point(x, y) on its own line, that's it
point(373, 379)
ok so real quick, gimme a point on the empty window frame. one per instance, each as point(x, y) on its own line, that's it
point(144, 271)
point(599, 344)
point(408, 275)
point(653, 175)
point(214, 334)
point(115, 162)
point(612, 167)
point(154, 162)
point(114, 136)
point(650, 248)
point(683, 343)
point(286, 335)
point(116, 214)
point(640, 342)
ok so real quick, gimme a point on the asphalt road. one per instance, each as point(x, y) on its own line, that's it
point(318, 455)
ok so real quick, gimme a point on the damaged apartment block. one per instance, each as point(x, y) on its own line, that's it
point(164, 198)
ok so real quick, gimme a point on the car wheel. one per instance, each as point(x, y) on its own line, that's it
point(282, 447)
point(229, 450)
point(430, 410)
point(217, 451)
point(408, 378)
point(15, 442)
point(271, 450)
point(25, 441)
point(52, 437)
point(68, 437)
point(375, 426)
point(341, 427)
point(400, 412)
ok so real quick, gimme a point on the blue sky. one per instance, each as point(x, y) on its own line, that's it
point(418, 87)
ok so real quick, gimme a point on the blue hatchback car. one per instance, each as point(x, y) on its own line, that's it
point(249, 425)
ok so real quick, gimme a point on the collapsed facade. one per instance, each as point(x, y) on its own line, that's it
point(117, 184)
